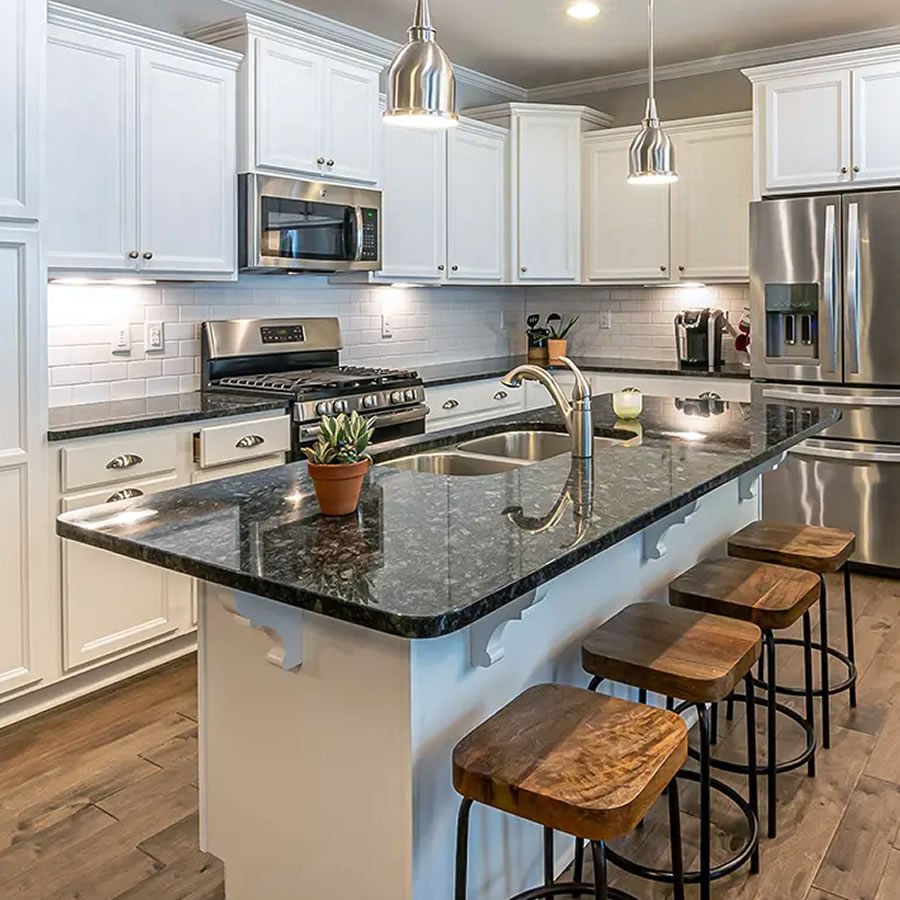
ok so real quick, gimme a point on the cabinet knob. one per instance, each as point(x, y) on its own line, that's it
point(330, 163)
point(250, 440)
point(681, 268)
point(450, 404)
point(125, 461)
point(441, 267)
point(454, 268)
point(134, 254)
point(524, 268)
point(501, 395)
point(321, 160)
point(148, 255)
point(662, 268)
point(843, 170)
point(125, 494)
point(856, 168)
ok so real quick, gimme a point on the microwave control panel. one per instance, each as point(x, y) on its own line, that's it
point(369, 234)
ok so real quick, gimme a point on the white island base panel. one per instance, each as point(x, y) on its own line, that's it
point(325, 747)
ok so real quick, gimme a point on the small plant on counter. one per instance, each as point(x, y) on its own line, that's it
point(339, 460)
point(559, 330)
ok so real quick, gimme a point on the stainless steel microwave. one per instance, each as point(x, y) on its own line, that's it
point(290, 225)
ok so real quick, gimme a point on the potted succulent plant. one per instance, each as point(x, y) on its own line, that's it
point(559, 330)
point(338, 462)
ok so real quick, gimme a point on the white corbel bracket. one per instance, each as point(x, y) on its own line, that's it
point(486, 647)
point(282, 624)
point(655, 534)
point(748, 483)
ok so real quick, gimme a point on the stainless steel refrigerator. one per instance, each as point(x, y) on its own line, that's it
point(825, 310)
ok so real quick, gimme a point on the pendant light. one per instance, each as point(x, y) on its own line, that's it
point(421, 83)
point(651, 157)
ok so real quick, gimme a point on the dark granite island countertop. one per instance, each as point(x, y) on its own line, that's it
point(430, 554)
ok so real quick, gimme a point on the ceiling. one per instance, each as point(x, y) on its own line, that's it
point(533, 43)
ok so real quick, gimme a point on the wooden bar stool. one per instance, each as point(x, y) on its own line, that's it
point(575, 761)
point(822, 551)
point(773, 598)
point(699, 659)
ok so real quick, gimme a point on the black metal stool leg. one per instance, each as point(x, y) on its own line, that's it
point(752, 785)
point(808, 683)
point(462, 849)
point(826, 682)
point(670, 703)
point(579, 859)
point(770, 759)
point(705, 813)
point(729, 709)
point(851, 640)
point(714, 723)
point(675, 840)
point(548, 856)
point(642, 695)
point(601, 877)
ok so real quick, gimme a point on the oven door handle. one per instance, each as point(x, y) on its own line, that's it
point(876, 453)
point(394, 417)
point(833, 399)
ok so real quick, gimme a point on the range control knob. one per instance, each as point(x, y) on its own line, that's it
point(396, 396)
point(370, 401)
point(323, 408)
point(340, 406)
point(409, 394)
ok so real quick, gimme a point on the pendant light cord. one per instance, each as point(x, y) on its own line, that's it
point(651, 65)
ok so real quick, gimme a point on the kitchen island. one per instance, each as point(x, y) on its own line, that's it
point(340, 660)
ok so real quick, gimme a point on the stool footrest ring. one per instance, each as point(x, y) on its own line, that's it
point(720, 871)
point(838, 688)
point(570, 889)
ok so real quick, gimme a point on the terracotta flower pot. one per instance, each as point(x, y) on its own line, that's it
point(556, 349)
point(338, 487)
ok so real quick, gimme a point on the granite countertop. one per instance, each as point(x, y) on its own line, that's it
point(89, 419)
point(475, 369)
point(429, 554)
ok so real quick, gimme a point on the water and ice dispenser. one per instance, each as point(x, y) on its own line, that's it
point(792, 321)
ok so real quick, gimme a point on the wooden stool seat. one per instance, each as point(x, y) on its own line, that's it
point(809, 547)
point(566, 758)
point(675, 652)
point(772, 597)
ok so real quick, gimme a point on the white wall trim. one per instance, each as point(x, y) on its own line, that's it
point(859, 40)
point(676, 126)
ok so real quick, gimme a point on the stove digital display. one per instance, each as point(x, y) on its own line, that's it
point(282, 334)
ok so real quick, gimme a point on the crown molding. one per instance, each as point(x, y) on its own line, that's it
point(677, 126)
point(859, 40)
point(503, 111)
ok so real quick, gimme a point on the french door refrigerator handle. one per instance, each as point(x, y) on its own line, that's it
point(853, 287)
point(830, 298)
point(825, 399)
point(875, 456)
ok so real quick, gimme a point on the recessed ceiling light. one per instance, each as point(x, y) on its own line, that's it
point(583, 9)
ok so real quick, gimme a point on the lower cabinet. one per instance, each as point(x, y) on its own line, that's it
point(734, 390)
point(453, 405)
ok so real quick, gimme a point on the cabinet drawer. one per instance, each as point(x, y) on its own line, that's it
point(220, 444)
point(452, 401)
point(128, 456)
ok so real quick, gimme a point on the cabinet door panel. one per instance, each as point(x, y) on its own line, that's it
point(627, 225)
point(111, 603)
point(289, 112)
point(807, 130)
point(351, 122)
point(876, 123)
point(188, 182)
point(414, 203)
point(21, 53)
point(476, 194)
point(711, 203)
point(548, 199)
point(91, 132)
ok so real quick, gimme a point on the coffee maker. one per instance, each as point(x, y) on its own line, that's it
point(698, 338)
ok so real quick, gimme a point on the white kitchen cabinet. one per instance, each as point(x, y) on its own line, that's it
point(876, 122)
point(21, 59)
point(627, 227)
point(545, 186)
point(140, 150)
point(308, 106)
point(476, 203)
point(466, 402)
point(711, 202)
point(414, 204)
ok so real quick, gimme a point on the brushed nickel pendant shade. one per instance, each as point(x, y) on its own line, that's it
point(651, 156)
point(421, 83)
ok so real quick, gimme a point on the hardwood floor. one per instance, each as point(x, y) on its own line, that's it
point(98, 801)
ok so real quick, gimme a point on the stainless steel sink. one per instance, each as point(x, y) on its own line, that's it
point(450, 463)
point(530, 446)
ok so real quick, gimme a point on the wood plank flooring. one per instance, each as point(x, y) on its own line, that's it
point(98, 801)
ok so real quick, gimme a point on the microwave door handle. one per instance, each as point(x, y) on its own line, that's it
point(830, 298)
point(853, 286)
point(358, 219)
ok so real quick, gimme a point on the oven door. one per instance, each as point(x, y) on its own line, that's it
point(293, 225)
point(390, 426)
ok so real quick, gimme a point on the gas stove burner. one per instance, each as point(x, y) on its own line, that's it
point(340, 379)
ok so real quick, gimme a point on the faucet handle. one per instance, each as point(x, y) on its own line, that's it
point(582, 387)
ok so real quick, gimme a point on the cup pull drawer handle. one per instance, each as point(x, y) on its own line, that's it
point(125, 461)
point(501, 395)
point(125, 494)
point(450, 404)
point(250, 440)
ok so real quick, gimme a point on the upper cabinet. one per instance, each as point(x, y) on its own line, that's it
point(21, 59)
point(694, 229)
point(309, 106)
point(545, 186)
point(141, 172)
point(827, 123)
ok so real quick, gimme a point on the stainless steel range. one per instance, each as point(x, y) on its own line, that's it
point(300, 359)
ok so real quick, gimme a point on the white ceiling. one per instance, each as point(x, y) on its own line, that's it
point(533, 43)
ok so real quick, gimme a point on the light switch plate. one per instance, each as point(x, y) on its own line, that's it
point(120, 337)
point(154, 337)
point(387, 327)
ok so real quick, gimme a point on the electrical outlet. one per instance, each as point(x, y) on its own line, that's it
point(121, 338)
point(605, 319)
point(154, 336)
point(387, 327)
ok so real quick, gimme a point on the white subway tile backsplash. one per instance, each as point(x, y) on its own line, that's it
point(145, 368)
point(181, 365)
point(90, 393)
point(157, 386)
point(116, 371)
